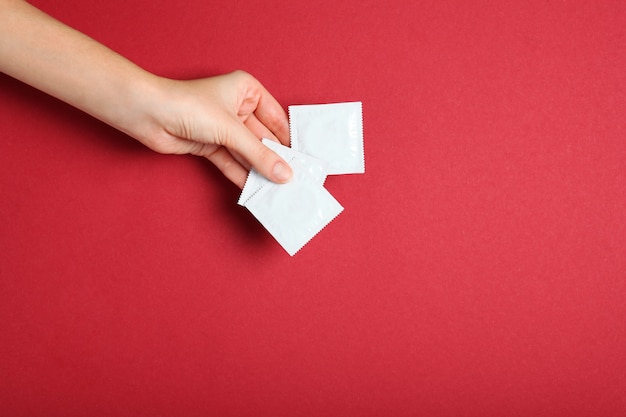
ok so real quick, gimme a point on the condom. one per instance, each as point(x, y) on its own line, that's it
point(330, 132)
point(326, 139)
point(293, 213)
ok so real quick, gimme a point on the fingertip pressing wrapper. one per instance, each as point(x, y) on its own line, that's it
point(331, 132)
point(293, 213)
point(313, 167)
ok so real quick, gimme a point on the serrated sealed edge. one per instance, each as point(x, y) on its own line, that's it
point(293, 134)
point(243, 193)
point(362, 136)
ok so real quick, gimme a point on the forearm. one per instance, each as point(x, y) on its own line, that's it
point(221, 118)
point(66, 64)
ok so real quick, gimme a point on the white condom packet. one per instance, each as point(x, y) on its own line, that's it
point(330, 132)
point(314, 167)
point(294, 212)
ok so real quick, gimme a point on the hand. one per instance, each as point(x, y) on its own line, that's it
point(222, 119)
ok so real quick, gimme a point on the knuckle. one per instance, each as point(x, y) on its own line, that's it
point(242, 77)
point(241, 74)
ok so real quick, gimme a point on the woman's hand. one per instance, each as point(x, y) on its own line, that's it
point(221, 118)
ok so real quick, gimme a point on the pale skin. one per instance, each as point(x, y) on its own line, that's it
point(220, 118)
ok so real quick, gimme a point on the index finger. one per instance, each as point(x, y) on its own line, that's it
point(271, 114)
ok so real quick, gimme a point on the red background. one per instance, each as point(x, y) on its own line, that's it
point(479, 267)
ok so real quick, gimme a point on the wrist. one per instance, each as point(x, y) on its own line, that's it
point(142, 102)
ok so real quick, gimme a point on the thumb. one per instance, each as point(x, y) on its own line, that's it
point(262, 158)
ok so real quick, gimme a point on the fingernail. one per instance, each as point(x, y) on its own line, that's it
point(281, 172)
